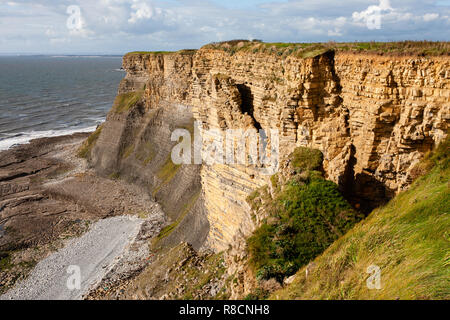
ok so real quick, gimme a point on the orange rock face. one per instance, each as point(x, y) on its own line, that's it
point(373, 117)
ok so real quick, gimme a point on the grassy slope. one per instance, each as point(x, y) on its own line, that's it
point(409, 239)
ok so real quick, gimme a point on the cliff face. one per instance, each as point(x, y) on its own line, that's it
point(398, 109)
point(372, 117)
point(135, 141)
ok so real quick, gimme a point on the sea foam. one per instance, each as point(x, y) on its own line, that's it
point(25, 137)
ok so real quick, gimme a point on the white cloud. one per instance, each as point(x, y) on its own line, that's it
point(142, 11)
point(430, 17)
point(50, 32)
point(123, 25)
point(373, 14)
point(335, 33)
point(341, 21)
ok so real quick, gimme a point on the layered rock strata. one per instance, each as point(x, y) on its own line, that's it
point(373, 117)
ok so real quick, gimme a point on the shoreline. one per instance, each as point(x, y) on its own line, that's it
point(50, 199)
point(23, 138)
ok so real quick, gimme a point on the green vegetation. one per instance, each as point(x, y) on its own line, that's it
point(128, 151)
point(184, 51)
point(306, 215)
point(11, 271)
point(419, 48)
point(149, 52)
point(5, 260)
point(301, 50)
point(310, 50)
point(197, 278)
point(166, 231)
point(409, 239)
point(86, 147)
point(145, 153)
point(166, 173)
point(126, 101)
point(306, 159)
point(114, 176)
point(148, 159)
point(168, 170)
point(181, 273)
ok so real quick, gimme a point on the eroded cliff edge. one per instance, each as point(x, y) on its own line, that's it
point(373, 118)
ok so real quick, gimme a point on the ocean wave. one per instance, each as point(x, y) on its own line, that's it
point(25, 137)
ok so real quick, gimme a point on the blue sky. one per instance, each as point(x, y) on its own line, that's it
point(119, 26)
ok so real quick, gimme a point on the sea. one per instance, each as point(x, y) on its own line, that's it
point(45, 96)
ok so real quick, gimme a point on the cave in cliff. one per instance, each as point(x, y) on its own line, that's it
point(247, 106)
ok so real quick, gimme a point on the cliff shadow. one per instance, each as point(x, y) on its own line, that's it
point(362, 190)
point(247, 102)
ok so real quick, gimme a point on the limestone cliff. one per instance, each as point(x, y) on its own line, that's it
point(135, 143)
point(372, 116)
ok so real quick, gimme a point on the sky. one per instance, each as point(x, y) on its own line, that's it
point(120, 26)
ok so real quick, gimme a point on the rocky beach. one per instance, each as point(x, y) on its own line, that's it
point(56, 212)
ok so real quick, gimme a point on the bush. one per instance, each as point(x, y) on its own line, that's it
point(310, 215)
point(306, 159)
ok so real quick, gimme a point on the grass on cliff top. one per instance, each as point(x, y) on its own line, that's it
point(309, 50)
point(86, 147)
point(413, 48)
point(184, 51)
point(306, 215)
point(408, 239)
point(126, 101)
point(301, 50)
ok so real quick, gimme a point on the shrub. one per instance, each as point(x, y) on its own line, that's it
point(306, 159)
point(310, 214)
